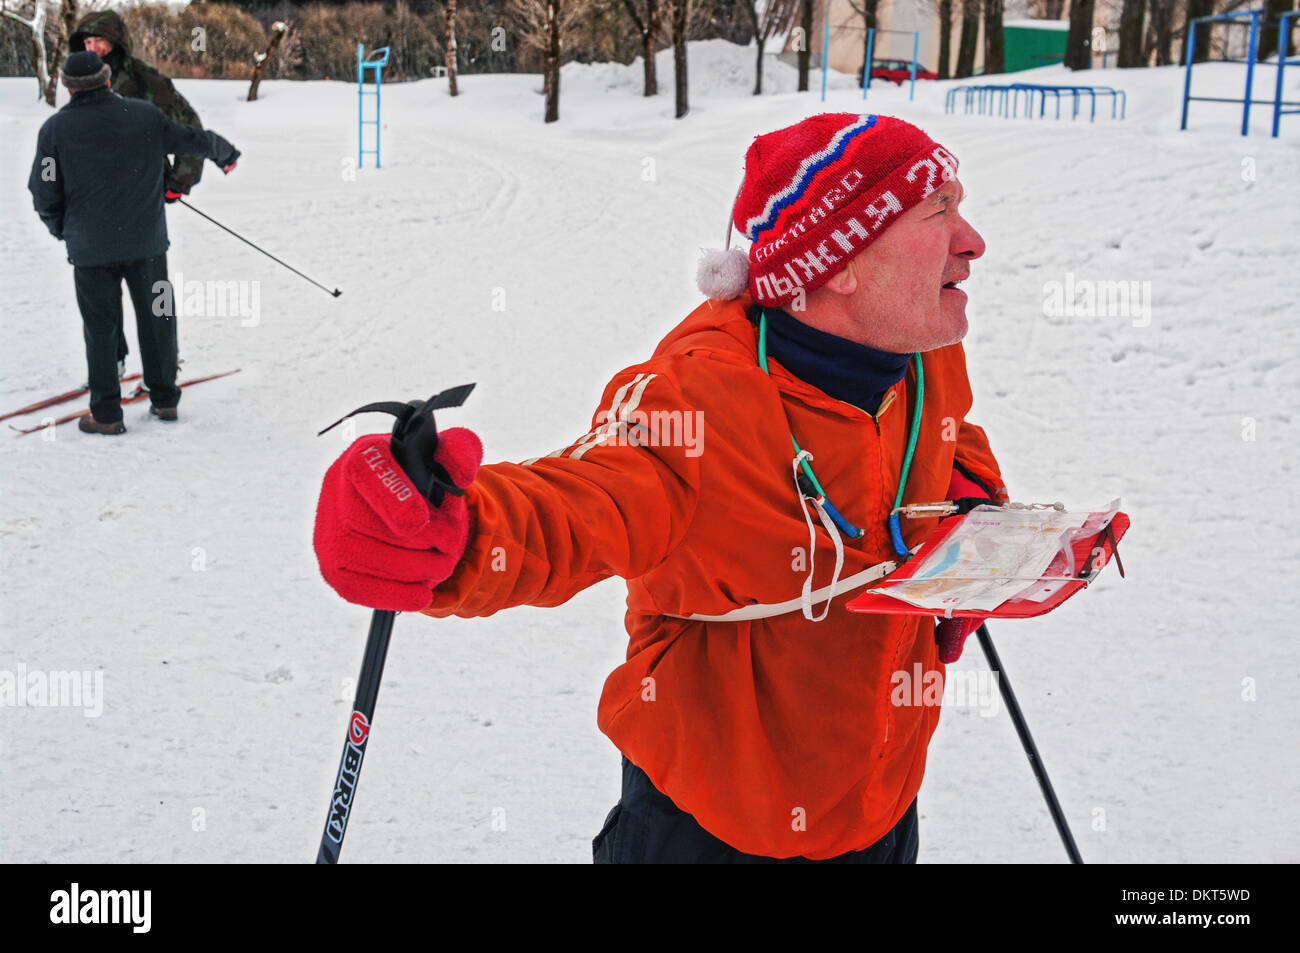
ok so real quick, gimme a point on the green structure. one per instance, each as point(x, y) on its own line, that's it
point(1031, 43)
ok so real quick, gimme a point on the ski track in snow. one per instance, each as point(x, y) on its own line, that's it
point(178, 559)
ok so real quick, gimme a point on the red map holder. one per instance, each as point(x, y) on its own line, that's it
point(1091, 553)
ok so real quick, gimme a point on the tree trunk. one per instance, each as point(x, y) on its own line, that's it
point(1053, 9)
point(68, 17)
point(552, 60)
point(681, 13)
point(1131, 30)
point(805, 50)
point(970, 25)
point(449, 50)
point(868, 11)
point(1162, 23)
point(648, 30)
point(47, 84)
point(758, 70)
point(1078, 42)
point(277, 34)
point(1268, 27)
point(1197, 8)
point(945, 39)
point(649, 36)
point(995, 60)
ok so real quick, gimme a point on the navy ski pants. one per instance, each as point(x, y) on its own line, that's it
point(645, 827)
point(99, 295)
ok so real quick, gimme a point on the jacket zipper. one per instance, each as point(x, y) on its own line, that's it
point(875, 419)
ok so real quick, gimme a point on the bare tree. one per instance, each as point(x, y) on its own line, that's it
point(995, 59)
point(805, 47)
point(774, 16)
point(945, 39)
point(449, 47)
point(1197, 8)
point(679, 18)
point(1268, 28)
point(37, 27)
point(867, 10)
point(1162, 29)
point(1078, 42)
point(47, 63)
point(647, 27)
point(970, 27)
point(278, 30)
point(68, 17)
point(546, 26)
point(1131, 29)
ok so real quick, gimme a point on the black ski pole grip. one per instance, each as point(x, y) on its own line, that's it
point(413, 445)
point(415, 440)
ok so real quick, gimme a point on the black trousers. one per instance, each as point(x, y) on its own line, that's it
point(99, 295)
point(646, 827)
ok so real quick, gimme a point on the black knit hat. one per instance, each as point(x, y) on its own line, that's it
point(83, 71)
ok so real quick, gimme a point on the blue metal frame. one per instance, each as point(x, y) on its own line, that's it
point(1284, 29)
point(1283, 33)
point(1005, 100)
point(871, 52)
point(376, 62)
point(871, 55)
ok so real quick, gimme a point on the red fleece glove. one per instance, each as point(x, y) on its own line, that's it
point(961, 487)
point(379, 543)
point(950, 635)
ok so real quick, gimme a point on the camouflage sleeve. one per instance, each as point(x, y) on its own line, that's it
point(183, 174)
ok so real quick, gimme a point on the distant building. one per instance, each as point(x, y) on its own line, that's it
point(896, 20)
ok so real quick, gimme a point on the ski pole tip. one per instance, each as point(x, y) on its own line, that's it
point(336, 292)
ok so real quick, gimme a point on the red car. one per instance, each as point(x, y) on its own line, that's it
point(897, 71)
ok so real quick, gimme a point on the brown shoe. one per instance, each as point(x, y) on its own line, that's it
point(89, 424)
point(163, 413)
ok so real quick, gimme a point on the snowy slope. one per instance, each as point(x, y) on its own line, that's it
point(177, 559)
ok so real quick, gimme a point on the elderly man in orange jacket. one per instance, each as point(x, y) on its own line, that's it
point(743, 481)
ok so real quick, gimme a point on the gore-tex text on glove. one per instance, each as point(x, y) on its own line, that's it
point(378, 542)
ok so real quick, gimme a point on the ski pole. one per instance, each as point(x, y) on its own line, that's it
point(1027, 741)
point(335, 292)
point(413, 443)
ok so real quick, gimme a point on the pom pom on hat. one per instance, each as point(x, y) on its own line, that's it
point(723, 274)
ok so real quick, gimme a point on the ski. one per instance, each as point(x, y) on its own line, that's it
point(127, 400)
point(58, 399)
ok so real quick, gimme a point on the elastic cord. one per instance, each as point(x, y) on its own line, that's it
point(805, 596)
point(895, 528)
point(847, 528)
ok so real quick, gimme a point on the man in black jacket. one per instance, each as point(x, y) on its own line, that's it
point(97, 183)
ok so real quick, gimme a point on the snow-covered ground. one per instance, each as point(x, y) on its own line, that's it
point(538, 260)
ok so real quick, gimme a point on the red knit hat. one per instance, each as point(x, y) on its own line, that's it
point(817, 193)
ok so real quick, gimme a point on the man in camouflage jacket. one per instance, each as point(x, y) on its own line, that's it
point(105, 33)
